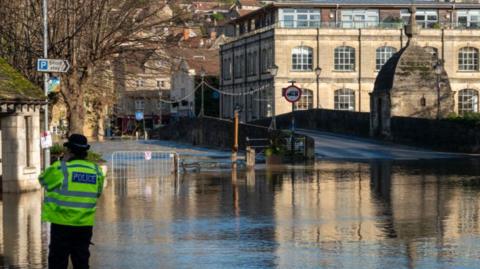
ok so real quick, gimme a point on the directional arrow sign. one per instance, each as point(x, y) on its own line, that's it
point(52, 65)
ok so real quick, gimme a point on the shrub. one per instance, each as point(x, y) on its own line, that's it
point(469, 118)
point(57, 150)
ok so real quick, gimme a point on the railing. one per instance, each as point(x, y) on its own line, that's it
point(292, 24)
point(143, 164)
point(338, 25)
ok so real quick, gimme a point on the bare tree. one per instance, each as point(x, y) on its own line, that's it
point(89, 33)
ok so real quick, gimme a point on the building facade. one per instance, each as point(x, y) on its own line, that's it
point(141, 82)
point(346, 43)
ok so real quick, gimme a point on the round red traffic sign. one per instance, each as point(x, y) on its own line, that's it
point(292, 93)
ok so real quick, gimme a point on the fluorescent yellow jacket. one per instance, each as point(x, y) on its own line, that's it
point(71, 192)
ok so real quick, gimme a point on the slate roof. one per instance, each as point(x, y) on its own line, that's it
point(14, 87)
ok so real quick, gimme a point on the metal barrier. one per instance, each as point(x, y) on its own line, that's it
point(143, 164)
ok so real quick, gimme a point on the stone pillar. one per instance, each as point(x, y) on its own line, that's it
point(22, 228)
point(21, 152)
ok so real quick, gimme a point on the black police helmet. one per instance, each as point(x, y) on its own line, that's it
point(77, 142)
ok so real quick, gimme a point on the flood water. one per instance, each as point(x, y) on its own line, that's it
point(330, 215)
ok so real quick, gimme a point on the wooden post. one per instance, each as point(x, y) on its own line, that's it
point(235, 140)
point(250, 157)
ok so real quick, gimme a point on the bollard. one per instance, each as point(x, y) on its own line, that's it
point(146, 135)
point(250, 157)
point(136, 135)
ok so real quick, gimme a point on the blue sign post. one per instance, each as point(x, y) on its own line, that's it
point(139, 115)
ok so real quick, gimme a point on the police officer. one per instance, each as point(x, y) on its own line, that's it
point(72, 188)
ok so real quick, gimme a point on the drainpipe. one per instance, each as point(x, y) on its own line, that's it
point(336, 14)
point(360, 70)
point(443, 43)
point(318, 64)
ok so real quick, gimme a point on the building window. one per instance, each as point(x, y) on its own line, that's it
point(227, 69)
point(140, 82)
point(468, 18)
point(467, 101)
point(251, 63)
point(359, 18)
point(433, 51)
point(299, 18)
point(344, 59)
point(425, 18)
point(306, 101)
point(254, 62)
point(383, 55)
point(302, 59)
point(264, 60)
point(344, 99)
point(468, 59)
point(139, 104)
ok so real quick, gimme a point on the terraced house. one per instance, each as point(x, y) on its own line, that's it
point(335, 49)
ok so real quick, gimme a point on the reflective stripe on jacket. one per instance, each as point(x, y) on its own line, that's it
point(71, 192)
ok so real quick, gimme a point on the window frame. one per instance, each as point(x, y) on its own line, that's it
point(468, 59)
point(383, 52)
point(344, 64)
point(344, 99)
point(465, 105)
point(300, 17)
point(369, 18)
point(306, 100)
point(139, 104)
point(301, 59)
point(468, 14)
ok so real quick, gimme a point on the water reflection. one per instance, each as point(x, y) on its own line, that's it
point(21, 232)
point(332, 215)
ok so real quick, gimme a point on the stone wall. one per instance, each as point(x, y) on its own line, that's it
point(218, 133)
point(346, 122)
point(21, 151)
point(441, 135)
point(211, 132)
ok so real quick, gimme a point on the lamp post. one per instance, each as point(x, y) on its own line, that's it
point(318, 72)
point(438, 68)
point(273, 71)
point(202, 75)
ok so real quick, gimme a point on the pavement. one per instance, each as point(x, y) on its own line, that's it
point(335, 146)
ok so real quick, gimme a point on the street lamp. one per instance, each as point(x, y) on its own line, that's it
point(202, 75)
point(438, 69)
point(318, 72)
point(273, 71)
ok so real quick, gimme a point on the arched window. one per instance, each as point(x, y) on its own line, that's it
point(344, 59)
point(344, 99)
point(433, 51)
point(467, 101)
point(306, 101)
point(468, 59)
point(383, 54)
point(302, 59)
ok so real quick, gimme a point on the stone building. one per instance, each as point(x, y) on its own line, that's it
point(348, 42)
point(412, 83)
point(186, 78)
point(20, 104)
point(141, 80)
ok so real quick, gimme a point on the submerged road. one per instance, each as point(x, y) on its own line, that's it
point(336, 146)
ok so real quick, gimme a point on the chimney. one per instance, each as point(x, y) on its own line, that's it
point(186, 34)
point(213, 35)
